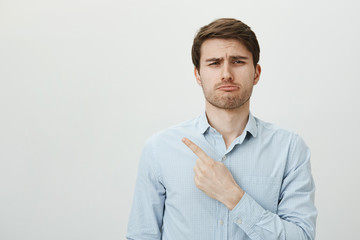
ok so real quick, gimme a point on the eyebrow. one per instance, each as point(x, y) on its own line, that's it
point(239, 57)
point(232, 57)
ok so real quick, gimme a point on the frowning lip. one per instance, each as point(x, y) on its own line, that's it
point(228, 88)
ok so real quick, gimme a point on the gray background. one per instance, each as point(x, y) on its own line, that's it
point(83, 84)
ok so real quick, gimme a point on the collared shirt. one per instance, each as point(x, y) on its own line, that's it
point(270, 164)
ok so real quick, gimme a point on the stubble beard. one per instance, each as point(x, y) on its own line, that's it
point(227, 101)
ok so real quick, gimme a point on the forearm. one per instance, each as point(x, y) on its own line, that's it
point(259, 223)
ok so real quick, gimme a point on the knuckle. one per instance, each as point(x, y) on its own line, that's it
point(212, 164)
point(197, 181)
point(196, 148)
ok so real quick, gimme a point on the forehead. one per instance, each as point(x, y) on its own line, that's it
point(223, 48)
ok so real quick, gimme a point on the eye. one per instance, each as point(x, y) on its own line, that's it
point(238, 62)
point(214, 63)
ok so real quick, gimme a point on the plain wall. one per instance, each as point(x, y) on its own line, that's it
point(83, 84)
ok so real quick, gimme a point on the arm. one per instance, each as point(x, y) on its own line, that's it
point(145, 220)
point(296, 215)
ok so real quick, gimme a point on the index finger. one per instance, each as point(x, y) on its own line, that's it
point(195, 148)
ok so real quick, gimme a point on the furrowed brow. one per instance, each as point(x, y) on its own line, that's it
point(213, 60)
point(238, 57)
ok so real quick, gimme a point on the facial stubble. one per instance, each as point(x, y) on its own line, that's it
point(227, 100)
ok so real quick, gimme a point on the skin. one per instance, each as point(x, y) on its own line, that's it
point(227, 76)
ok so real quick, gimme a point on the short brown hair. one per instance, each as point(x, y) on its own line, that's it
point(226, 28)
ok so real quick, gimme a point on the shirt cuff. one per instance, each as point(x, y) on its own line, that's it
point(246, 213)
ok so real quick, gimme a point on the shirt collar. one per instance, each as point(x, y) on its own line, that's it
point(250, 127)
point(203, 123)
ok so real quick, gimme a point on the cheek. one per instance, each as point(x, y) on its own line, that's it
point(246, 76)
point(209, 76)
point(246, 72)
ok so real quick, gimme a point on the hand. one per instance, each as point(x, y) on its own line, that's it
point(214, 179)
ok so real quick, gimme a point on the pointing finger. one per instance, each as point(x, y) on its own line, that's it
point(196, 149)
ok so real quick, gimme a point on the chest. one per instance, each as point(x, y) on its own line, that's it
point(257, 170)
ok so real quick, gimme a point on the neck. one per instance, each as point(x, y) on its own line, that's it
point(230, 123)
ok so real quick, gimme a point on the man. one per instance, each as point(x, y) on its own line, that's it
point(233, 176)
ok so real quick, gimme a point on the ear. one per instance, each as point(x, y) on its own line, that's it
point(197, 76)
point(257, 74)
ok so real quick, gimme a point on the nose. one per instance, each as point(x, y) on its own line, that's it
point(226, 73)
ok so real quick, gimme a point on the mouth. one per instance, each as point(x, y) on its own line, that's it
point(228, 88)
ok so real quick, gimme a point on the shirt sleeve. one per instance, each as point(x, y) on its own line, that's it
point(296, 215)
point(145, 221)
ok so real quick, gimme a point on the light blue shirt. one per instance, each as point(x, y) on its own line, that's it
point(270, 164)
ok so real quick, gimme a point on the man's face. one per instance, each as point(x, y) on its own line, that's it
point(227, 73)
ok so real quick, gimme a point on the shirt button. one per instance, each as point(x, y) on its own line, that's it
point(221, 222)
point(224, 157)
point(239, 221)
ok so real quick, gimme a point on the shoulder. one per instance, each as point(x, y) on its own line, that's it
point(270, 129)
point(281, 137)
point(286, 139)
